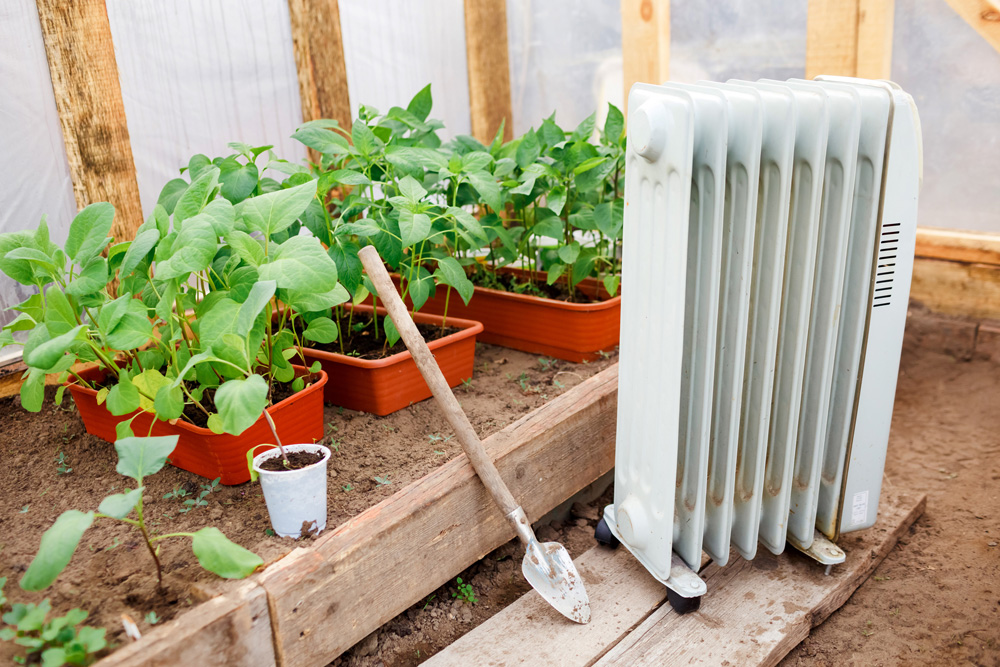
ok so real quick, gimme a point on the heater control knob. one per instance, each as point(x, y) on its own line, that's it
point(632, 523)
point(647, 130)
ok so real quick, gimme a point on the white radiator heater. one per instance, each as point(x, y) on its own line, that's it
point(769, 238)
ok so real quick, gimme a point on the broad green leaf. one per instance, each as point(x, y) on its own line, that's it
point(169, 403)
point(526, 187)
point(140, 457)
point(308, 302)
point(451, 273)
point(42, 350)
point(321, 330)
point(323, 140)
point(123, 429)
point(476, 161)
point(19, 270)
point(119, 505)
point(528, 149)
point(170, 193)
point(89, 231)
point(217, 554)
point(241, 402)
point(555, 271)
point(144, 241)
point(148, 383)
point(582, 266)
point(248, 248)
point(419, 289)
point(569, 253)
point(260, 295)
point(274, 212)
point(238, 180)
point(197, 164)
point(221, 214)
point(584, 129)
point(193, 200)
point(413, 227)
point(411, 189)
point(124, 397)
point(556, 199)
point(614, 124)
point(391, 332)
point(414, 158)
point(93, 278)
point(33, 390)
point(344, 254)
point(363, 139)
point(191, 363)
point(609, 217)
point(594, 176)
point(57, 547)
point(301, 264)
point(133, 328)
point(59, 309)
point(91, 638)
point(40, 264)
point(611, 284)
point(219, 320)
point(420, 105)
point(487, 187)
point(363, 228)
point(589, 164)
point(193, 249)
point(347, 177)
point(469, 223)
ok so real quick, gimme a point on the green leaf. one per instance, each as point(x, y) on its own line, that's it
point(274, 212)
point(93, 278)
point(609, 218)
point(413, 227)
point(169, 403)
point(197, 164)
point(391, 332)
point(219, 320)
point(411, 189)
point(307, 302)
point(476, 161)
point(321, 330)
point(260, 295)
point(123, 429)
point(321, 139)
point(584, 129)
point(193, 200)
point(247, 247)
point(54, 656)
point(119, 505)
point(133, 327)
point(301, 264)
point(144, 241)
point(363, 139)
point(344, 254)
point(139, 457)
point(241, 402)
point(347, 177)
point(420, 105)
point(528, 149)
point(469, 223)
point(556, 199)
point(487, 187)
point(42, 351)
point(149, 382)
point(217, 554)
point(57, 547)
point(123, 397)
point(569, 253)
point(170, 193)
point(238, 180)
point(316, 367)
point(88, 232)
point(221, 214)
point(614, 125)
point(33, 390)
point(450, 272)
point(555, 271)
point(611, 284)
point(193, 249)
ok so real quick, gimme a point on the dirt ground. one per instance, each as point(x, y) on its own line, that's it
point(37, 485)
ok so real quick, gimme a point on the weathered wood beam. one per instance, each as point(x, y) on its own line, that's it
point(326, 598)
point(645, 42)
point(982, 15)
point(875, 23)
point(957, 288)
point(489, 68)
point(319, 60)
point(88, 96)
point(832, 38)
point(970, 247)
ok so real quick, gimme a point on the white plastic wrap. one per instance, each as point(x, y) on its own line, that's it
point(34, 171)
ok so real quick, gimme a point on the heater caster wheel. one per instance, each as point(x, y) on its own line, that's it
point(683, 605)
point(604, 535)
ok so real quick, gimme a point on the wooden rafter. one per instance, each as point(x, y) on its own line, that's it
point(489, 68)
point(319, 60)
point(852, 38)
point(645, 41)
point(983, 16)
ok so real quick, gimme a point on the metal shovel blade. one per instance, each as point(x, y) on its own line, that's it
point(550, 571)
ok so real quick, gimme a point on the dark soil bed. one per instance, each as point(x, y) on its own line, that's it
point(112, 574)
point(508, 282)
point(358, 338)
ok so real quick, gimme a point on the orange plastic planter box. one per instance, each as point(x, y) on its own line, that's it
point(571, 331)
point(298, 419)
point(383, 386)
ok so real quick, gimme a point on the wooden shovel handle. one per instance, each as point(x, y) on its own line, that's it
point(435, 380)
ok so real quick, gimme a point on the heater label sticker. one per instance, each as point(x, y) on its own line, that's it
point(859, 507)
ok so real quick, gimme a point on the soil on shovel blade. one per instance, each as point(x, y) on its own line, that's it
point(52, 465)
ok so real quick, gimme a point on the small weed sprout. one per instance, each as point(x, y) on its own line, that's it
point(152, 618)
point(347, 488)
point(62, 464)
point(465, 592)
point(382, 481)
point(467, 383)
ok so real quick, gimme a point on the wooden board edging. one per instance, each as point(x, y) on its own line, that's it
point(958, 246)
point(957, 288)
point(326, 598)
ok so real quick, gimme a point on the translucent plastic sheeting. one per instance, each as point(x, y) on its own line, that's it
point(33, 170)
point(737, 39)
point(954, 77)
point(197, 74)
point(393, 49)
point(565, 55)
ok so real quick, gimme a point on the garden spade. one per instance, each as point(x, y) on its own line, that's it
point(547, 565)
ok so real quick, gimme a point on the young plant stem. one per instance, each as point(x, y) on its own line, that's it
point(274, 432)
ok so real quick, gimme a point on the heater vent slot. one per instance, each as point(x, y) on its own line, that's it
point(885, 271)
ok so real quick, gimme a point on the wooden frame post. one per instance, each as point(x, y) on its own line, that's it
point(645, 42)
point(319, 60)
point(850, 38)
point(489, 68)
point(88, 96)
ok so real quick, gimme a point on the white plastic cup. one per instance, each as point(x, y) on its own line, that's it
point(294, 497)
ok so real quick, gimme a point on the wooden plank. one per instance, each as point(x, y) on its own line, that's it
point(955, 288)
point(755, 612)
point(983, 16)
point(89, 101)
point(832, 38)
point(645, 42)
point(971, 247)
point(489, 68)
point(875, 22)
point(355, 578)
point(319, 60)
point(232, 629)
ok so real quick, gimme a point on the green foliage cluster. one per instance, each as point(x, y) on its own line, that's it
point(52, 642)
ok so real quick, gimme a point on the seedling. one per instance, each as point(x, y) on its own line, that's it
point(152, 618)
point(62, 464)
point(465, 592)
point(545, 363)
point(427, 602)
point(382, 481)
point(868, 631)
point(467, 383)
point(347, 487)
point(24, 510)
point(55, 641)
point(137, 458)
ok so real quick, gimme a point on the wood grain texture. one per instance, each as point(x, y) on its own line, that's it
point(874, 50)
point(645, 42)
point(832, 38)
point(983, 16)
point(956, 288)
point(88, 97)
point(319, 60)
point(232, 629)
point(732, 628)
point(489, 68)
point(355, 578)
point(970, 247)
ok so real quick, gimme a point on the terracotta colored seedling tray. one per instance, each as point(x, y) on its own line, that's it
point(382, 386)
point(298, 419)
point(571, 331)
